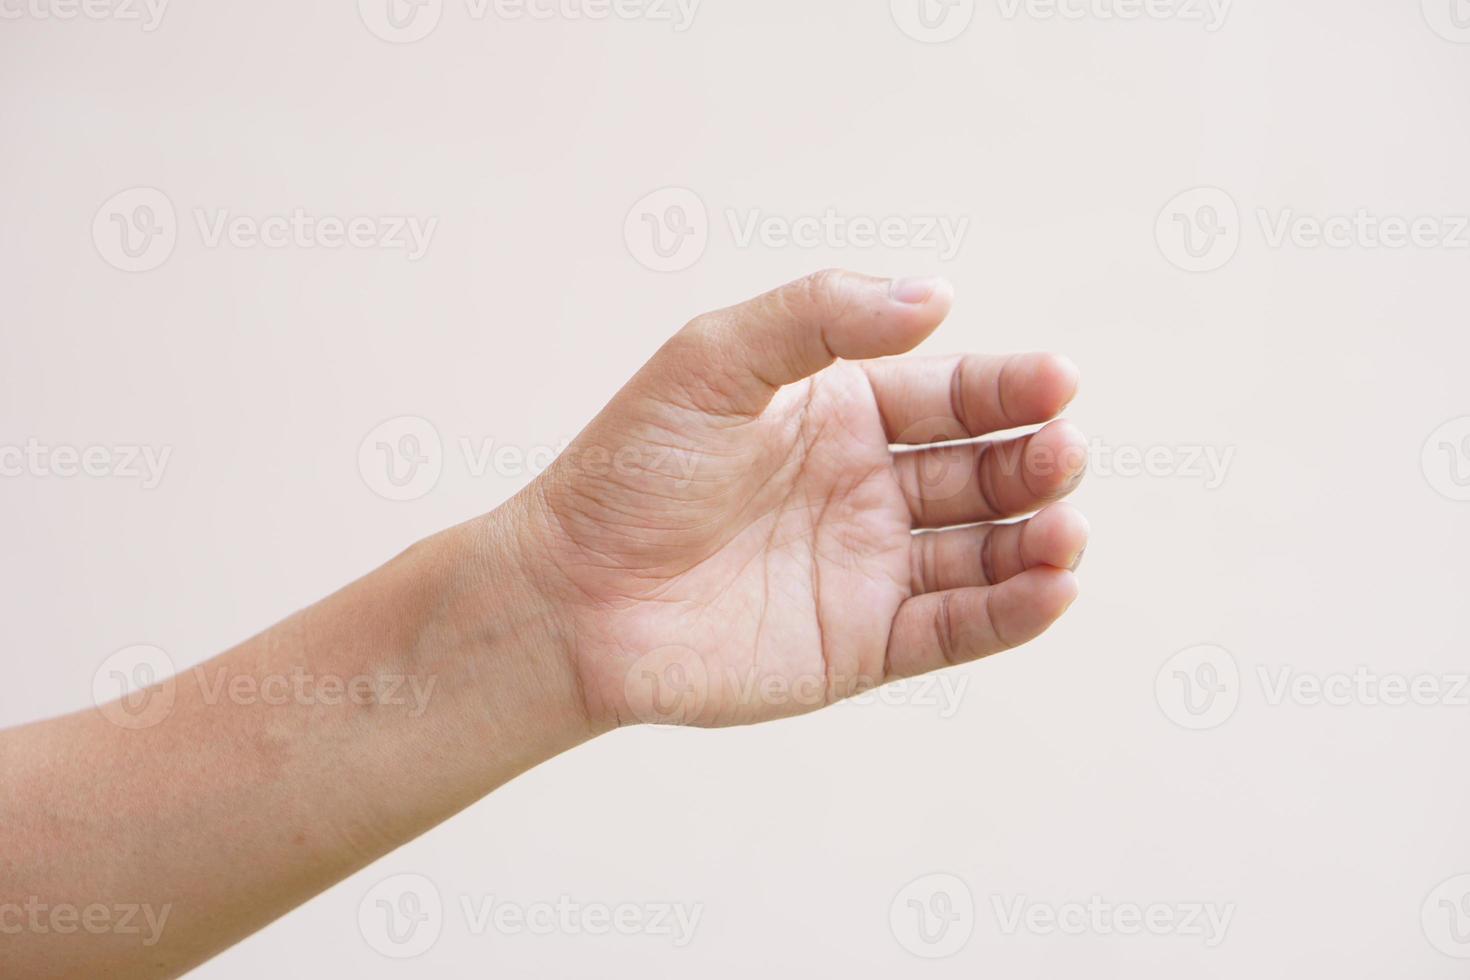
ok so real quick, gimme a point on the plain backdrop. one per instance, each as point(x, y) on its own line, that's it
point(1331, 378)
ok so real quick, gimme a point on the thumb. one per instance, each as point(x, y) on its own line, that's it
point(732, 362)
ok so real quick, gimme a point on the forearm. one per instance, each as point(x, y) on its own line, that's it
point(284, 764)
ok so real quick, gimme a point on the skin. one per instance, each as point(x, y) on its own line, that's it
point(731, 540)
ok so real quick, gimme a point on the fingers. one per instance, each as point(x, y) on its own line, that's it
point(734, 361)
point(934, 399)
point(989, 554)
point(942, 629)
point(990, 481)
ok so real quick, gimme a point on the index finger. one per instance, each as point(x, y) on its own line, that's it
point(964, 396)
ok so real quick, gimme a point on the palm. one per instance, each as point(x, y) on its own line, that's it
point(735, 567)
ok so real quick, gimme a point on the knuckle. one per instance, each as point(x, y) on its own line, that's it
point(698, 338)
point(826, 291)
point(701, 326)
point(945, 631)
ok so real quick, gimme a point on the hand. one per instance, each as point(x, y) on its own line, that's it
point(731, 540)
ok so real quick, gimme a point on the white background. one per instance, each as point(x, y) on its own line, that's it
point(1329, 545)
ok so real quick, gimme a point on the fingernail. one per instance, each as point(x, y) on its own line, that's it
point(914, 290)
point(1077, 562)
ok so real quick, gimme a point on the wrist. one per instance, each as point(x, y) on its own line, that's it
point(519, 634)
